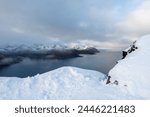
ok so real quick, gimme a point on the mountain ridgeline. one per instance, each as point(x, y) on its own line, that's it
point(15, 55)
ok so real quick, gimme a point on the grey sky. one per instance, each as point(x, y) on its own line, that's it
point(70, 20)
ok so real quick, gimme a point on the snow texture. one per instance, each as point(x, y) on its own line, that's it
point(131, 73)
point(62, 83)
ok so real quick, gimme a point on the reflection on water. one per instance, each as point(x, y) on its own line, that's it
point(103, 62)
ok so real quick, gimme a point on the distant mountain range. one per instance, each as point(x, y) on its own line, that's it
point(14, 54)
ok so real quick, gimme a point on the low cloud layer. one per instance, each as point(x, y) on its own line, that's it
point(70, 20)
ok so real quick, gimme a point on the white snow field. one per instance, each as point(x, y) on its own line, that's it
point(134, 71)
point(131, 73)
point(62, 83)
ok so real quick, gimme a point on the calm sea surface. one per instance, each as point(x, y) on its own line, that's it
point(103, 62)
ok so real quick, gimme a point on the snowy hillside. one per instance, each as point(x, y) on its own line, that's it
point(130, 79)
point(62, 83)
point(133, 72)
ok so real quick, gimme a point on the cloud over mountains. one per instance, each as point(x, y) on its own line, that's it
point(70, 20)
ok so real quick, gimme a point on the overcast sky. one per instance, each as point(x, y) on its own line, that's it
point(108, 21)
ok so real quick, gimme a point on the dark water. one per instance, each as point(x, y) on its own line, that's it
point(103, 62)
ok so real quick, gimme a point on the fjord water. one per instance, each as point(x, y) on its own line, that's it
point(102, 62)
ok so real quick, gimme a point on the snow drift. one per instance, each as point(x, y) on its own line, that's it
point(62, 83)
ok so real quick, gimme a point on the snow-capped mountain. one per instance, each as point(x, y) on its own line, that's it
point(42, 47)
point(133, 71)
point(16, 53)
point(129, 79)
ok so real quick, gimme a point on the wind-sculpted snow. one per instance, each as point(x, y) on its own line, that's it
point(133, 72)
point(62, 83)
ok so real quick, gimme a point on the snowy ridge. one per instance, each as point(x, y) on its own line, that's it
point(133, 71)
point(78, 45)
point(131, 74)
point(43, 47)
point(14, 54)
point(62, 83)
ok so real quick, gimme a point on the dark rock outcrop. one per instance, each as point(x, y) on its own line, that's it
point(129, 50)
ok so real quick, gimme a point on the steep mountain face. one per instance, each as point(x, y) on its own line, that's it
point(133, 71)
point(132, 48)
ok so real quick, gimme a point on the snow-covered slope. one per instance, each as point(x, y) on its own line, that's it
point(62, 83)
point(131, 76)
point(133, 72)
